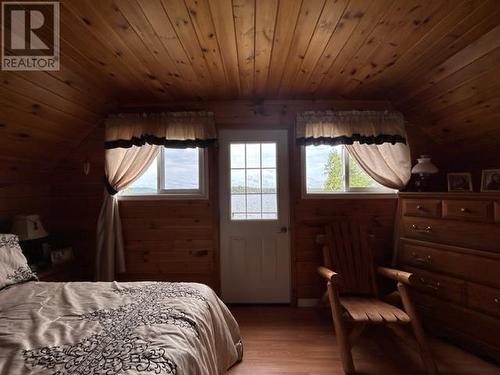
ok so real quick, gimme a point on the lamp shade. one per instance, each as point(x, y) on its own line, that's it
point(28, 227)
point(424, 166)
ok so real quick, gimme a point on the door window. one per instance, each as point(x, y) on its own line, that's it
point(253, 181)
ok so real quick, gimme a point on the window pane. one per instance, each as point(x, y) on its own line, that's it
point(238, 203)
point(182, 169)
point(253, 155)
point(269, 203)
point(145, 184)
point(237, 180)
point(253, 203)
point(253, 180)
point(324, 169)
point(237, 152)
point(358, 178)
point(268, 155)
point(269, 180)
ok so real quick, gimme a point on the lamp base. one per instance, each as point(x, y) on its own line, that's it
point(422, 183)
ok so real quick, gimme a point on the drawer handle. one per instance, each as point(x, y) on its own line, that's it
point(418, 229)
point(464, 210)
point(497, 301)
point(434, 286)
point(420, 208)
point(425, 259)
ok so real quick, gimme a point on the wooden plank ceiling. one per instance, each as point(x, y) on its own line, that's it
point(436, 61)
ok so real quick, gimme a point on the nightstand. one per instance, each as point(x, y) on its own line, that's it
point(62, 272)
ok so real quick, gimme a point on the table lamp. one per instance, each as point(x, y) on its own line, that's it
point(30, 231)
point(423, 169)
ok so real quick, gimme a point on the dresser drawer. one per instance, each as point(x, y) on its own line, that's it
point(484, 299)
point(479, 236)
point(467, 210)
point(478, 326)
point(422, 207)
point(470, 267)
point(437, 285)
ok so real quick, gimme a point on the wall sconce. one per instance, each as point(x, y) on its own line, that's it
point(86, 166)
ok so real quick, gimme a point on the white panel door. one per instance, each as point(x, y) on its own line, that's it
point(254, 204)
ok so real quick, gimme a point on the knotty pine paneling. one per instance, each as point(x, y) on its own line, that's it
point(24, 199)
point(161, 245)
point(436, 61)
point(24, 189)
point(173, 239)
point(76, 199)
point(312, 214)
point(178, 239)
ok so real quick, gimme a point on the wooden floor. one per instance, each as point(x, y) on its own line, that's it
point(293, 341)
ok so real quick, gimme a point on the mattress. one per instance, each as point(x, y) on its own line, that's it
point(86, 328)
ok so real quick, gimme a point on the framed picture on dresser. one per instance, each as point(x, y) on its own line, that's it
point(459, 182)
point(490, 180)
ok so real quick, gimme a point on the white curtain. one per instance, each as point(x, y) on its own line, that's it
point(132, 143)
point(122, 166)
point(376, 139)
point(388, 164)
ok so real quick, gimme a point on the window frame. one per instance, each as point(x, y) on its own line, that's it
point(162, 193)
point(349, 192)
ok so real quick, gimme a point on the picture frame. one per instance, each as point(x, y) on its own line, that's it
point(490, 180)
point(459, 182)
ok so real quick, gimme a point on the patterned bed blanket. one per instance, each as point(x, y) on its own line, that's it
point(115, 328)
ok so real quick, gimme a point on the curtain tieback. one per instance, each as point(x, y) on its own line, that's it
point(111, 190)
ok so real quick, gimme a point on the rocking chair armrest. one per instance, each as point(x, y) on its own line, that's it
point(328, 274)
point(396, 275)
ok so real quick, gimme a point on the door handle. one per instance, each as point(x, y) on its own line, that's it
point(283, 230)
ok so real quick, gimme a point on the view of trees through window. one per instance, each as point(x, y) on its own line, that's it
point(330, 169)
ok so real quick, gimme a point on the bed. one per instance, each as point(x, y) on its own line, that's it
point(84, 328)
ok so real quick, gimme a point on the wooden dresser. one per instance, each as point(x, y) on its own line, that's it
point(451, 241)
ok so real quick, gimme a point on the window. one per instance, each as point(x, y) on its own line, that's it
point(176, 172)
point(330, 170)
point(253, 181)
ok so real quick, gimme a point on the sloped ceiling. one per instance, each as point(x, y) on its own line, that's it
point(436, 61)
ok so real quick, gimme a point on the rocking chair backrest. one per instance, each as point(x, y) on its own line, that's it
point(347, 252)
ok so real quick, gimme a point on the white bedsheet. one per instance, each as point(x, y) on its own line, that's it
point(101, 328)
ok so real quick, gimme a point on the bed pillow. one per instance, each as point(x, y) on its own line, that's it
point(13, 264)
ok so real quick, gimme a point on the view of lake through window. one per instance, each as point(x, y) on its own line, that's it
point(175, 171)
point(253, 181)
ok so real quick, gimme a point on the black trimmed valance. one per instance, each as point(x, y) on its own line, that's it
point(346, 127)
point(172, 129)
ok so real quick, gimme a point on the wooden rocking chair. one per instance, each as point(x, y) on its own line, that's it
point(353, 294)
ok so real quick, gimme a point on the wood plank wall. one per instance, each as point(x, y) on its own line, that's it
point(43, 118)
point(165, 238)
point(174, 240)
point(24, 189)
point(76, 199)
